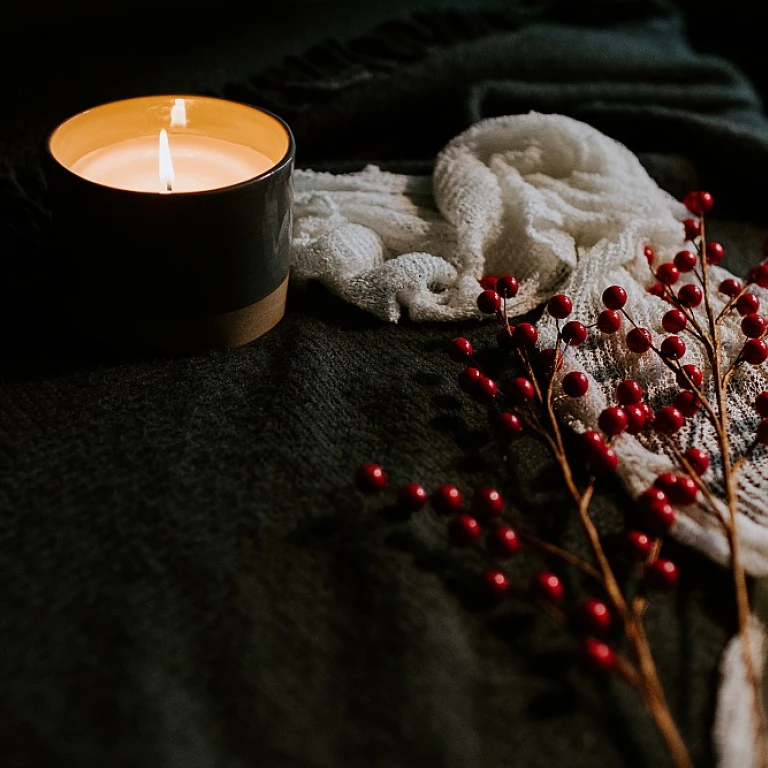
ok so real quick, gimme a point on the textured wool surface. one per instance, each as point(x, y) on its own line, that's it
point(188, 579)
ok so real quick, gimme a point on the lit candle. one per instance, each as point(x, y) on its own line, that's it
point(177, 208)
point(203, 162)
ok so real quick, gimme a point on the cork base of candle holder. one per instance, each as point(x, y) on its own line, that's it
point(182, 333)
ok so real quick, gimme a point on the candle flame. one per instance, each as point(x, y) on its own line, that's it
point(167, 175)
point(179, 113)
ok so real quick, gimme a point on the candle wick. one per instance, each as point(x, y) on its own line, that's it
point(168, 185)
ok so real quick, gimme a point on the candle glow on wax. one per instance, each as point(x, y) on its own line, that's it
point(174, 145)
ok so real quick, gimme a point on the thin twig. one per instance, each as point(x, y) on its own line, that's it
point(563, 554)
point(650, 687)
point(743, 608)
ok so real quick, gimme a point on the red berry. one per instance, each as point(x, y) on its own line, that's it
point(668, 420)
point(412, 496)
point(574, 333)
point(689, 376)
point(609, 321)
point(488, 283)
point(613, 421)
point(665, 482)
point(629, 392)
point(601, 459)
point(460, 350)
point(639, 340)
point(636, 418)
point(465, 530)
point(759, 275)
point(447, 499)
point(371, 478)
point(489, 302)
point(667, 274)
point(614, 297)
point(593, 616)
point(698, 460)
point(730, 288)
point(495, 583)
point(684, 492)
point(593, 441)
point(657, 518)
point(653, 495)
point(755, 351)
point(673, 347)
point(548, 587)
point(747, 304)
point(507, 286)
point(692, 229)
point(503, 541)
point(690, 295)
point(598, 657)
point(520, 391)
point(484, 390)
point(658, 290)
point(487, 503)
point(560, 306)
point(698, 202)
point(649, 254)
point(753, 325)
point(662, 574)
point(686, 261)
point(688, 403)
point(674, 321)
point(525, 334)
point(575, 384)
point(647, 410)
point(469, 378)
point(715, 252)
point(508, 424)
point(706, 201)
point(761, 404)
point(602, 462)
point(637, 545)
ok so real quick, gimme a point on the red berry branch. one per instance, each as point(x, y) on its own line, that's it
point(528, 400)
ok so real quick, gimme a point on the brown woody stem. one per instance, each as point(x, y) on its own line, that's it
point(647, 682)
point(731, 492)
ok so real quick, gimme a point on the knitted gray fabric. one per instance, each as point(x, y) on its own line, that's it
point(188, 578)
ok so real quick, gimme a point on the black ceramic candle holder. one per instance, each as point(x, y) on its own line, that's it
point(179, 254)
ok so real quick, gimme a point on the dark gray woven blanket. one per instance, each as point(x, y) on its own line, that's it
point(188, 578)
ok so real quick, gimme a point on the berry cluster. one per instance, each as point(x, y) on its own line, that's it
point(525, 400)
point(481, 522)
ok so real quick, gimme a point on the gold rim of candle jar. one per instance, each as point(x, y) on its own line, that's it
point(106, 124)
